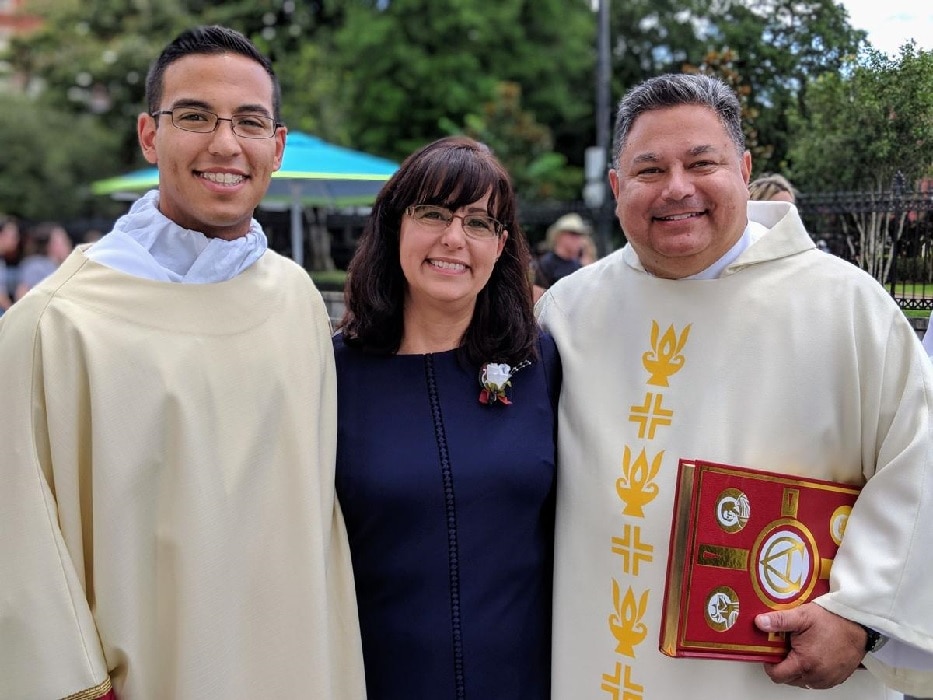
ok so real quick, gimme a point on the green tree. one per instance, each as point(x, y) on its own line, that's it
point(651, 37)
point(410, 64)
point(92, 58)
point(49, 158)
point(866, 123)
point(779, 47)
point(311, 87)
point(386, 76)
point(867, 127)
point(524, 146)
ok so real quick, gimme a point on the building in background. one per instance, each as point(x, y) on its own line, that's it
point(13, 21)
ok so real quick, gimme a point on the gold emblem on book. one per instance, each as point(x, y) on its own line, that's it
point(665, 358)
point(790, 503)
point(722, 608)
point(722, 557)
point(837, 523)
point(732, 510)
point(787, 563)
point(636, 487)
point(783, 563)
point(626, 622)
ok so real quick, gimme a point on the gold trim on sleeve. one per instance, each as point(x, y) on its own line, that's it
point(94, 693)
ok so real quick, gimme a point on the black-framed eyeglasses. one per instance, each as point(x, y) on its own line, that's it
point(475, 224)
point(202, 121)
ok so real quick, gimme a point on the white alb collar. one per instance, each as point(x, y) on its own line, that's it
point(145, 243)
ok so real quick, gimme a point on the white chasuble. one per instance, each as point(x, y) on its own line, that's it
point(792, 361)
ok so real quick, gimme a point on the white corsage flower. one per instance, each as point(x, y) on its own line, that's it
point(495, 378)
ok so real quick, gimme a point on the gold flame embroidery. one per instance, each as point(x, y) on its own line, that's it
point(665, 358)
point(625, 623)
point(636, 487)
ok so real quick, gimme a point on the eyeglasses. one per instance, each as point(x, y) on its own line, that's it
point(475, 225)
point(201, 121)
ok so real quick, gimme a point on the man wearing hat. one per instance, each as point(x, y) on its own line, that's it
point(566, 239)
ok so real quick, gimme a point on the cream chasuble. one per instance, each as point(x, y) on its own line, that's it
point(169, 516)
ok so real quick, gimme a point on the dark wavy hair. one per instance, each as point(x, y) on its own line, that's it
point(213, 39)
point(450, 172)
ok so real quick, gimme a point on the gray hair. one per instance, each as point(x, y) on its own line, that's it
point(673, 90)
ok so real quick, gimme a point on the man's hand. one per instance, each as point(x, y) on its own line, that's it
point(824, 648)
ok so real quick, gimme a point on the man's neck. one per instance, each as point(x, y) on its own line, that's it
point(705, 268)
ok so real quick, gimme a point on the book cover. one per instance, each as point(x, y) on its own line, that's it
point(744, 542)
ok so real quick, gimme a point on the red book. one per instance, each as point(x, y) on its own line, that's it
point(745, 542)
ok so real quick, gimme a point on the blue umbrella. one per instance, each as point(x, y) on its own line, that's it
point(313, 173)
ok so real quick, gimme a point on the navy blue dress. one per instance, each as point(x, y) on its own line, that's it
point(449, 505)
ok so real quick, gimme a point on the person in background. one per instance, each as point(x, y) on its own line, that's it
point(588, 252)
point(447, 393)
point(169, 430)
point(9, 244)
point(777, 188)
point(566, 242)
point(45, 247)
point(772, 188)
point(835, 387)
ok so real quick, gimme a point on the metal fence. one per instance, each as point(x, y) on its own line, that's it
point(887, 233)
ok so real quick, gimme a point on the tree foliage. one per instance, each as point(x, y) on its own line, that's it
point(411, 63)
point(780, 46)
point(870, 128)
point(523, 145)
point(866, 123)
point(48, 160)
point(92, 58)
point(651, 37)
point(387, 76)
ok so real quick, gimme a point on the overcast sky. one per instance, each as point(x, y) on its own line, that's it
point(891, 23)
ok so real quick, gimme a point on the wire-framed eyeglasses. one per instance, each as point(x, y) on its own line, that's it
point(475, 224)
point(202, 121)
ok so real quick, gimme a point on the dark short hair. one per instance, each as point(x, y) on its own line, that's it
point(674, 90)
point(452, 172)
point(213, 39)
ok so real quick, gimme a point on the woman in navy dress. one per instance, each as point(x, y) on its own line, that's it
point(447, 396)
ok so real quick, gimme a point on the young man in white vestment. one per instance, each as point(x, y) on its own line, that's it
point(721, 333)
point(168, 437)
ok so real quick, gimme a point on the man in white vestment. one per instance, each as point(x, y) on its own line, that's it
point(721, 333)
point(168, 438)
